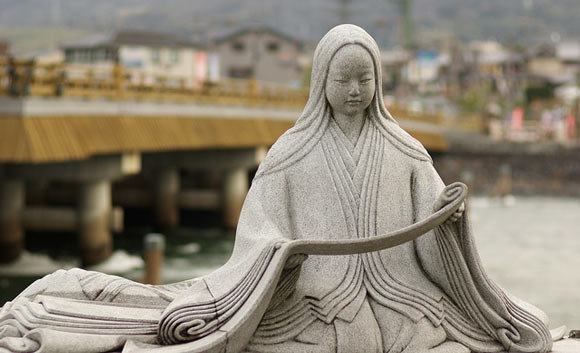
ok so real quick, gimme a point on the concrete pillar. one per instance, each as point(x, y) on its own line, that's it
point(36, 191)
point(166, 202)
point(12, 201)
point(95, 239)
point(503, 185)
point(235, 188)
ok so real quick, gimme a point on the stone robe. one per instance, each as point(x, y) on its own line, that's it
point(430, 294)
point(416, 290)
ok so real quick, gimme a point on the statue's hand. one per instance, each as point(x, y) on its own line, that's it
point(457, 214)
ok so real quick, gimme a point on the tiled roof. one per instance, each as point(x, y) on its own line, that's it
point(149, 39)
point(240, 31)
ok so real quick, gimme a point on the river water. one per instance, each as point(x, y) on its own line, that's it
point(529, 245)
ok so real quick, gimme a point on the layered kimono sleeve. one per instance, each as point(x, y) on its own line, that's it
point(73, 311)
point(478, 312)
point(225, 307)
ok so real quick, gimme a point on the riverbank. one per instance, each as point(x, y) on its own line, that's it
point(547, 169)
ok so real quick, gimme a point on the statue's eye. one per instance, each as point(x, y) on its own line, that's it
point(340, 81)
point(365, 81)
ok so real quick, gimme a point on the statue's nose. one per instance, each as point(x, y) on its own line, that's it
point(354, 90)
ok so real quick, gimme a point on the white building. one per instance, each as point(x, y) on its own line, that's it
point(261, 53)
point(146, 58)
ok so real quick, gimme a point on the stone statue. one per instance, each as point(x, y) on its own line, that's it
point(348, 241)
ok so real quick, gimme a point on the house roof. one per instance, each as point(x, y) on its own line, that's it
point(3, 47)
point(230, 34)
point(568, 51)
point(396, 56)
point(130, 37)
point(499, 57)
point(152, 39)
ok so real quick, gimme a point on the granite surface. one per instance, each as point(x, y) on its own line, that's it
point(347, 235)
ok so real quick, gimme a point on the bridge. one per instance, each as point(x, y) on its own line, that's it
point(90, 130)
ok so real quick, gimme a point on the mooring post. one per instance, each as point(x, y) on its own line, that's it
point(12, 201)
point(503, 185)
point(95, 239)
point(166, 203)
point(235, 188)
point(154, 255)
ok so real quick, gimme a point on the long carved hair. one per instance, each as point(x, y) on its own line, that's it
point(295, 143)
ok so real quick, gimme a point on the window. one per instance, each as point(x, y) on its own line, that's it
point(110, 55)
point(155, 56)
point(83, 55)
point(238, 46)
point(68, 55)
point(93, 55)
point(101, 55)
point(241, 72)
point(272, 47)
point(174, 56)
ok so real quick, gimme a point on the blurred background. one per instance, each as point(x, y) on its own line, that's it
point(131, 130)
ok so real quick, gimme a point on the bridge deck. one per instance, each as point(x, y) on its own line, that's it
point(59, 129)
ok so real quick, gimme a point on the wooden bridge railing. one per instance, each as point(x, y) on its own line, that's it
point(27, 78)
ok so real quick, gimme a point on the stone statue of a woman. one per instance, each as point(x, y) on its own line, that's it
point(343, 176)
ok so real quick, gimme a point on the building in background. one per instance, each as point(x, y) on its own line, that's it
point(393, 64)
point(556, 63)
point(259, 53)
point(4, 48)
point(568, 52)
point(146, 58)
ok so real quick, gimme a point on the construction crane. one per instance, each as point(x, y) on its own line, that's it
point(344, 10)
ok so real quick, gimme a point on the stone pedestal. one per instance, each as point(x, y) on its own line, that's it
point(235, 187)
point(166, 201)
point(12, 200)
point(95, 239)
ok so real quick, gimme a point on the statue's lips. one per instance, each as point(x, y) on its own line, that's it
point(353, 102)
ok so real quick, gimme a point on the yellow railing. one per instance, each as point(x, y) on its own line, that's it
point(471, 122)
point(26, 78)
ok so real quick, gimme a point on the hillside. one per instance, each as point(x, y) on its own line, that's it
point(509, 21)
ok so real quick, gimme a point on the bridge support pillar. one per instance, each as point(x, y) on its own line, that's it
point(235, 187)
point(166, 203)
point(12, 201)
point(95, 206)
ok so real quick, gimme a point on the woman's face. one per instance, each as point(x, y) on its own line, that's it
point(350, 85)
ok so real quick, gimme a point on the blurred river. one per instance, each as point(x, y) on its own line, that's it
point(529, 245)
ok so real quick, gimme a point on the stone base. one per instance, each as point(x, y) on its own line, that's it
point(568, 345)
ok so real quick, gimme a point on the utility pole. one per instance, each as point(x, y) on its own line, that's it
point(405, 23)
point(344, 10)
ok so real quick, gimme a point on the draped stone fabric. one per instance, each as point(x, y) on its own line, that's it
point(315, 184)
point(432, 285)
point(428, 295)
point(83, 311)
